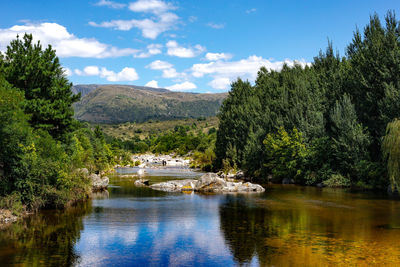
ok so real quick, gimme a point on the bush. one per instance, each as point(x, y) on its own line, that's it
point(285, 154)
point(337, 180)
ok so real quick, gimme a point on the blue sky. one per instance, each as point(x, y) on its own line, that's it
point(192, 45)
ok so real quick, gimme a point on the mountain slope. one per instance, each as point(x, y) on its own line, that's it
point(123, 103)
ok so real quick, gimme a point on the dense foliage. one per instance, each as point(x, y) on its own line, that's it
point(322, 122)
point(41, 146)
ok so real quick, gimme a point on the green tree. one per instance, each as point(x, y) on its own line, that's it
point(349, 138)
point(38, 73)
point(285, 154)
point(374, 73)
point(391, 152)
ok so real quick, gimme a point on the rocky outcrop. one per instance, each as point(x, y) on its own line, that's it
point(98, 182)
point(209, 182)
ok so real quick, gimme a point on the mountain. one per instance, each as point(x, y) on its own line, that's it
point(128, 103)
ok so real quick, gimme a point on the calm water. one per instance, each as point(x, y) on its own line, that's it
point(136, 226)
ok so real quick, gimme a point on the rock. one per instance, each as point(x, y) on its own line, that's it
point(287, 181)
point(239, 175)
point(99, 183)
point(176, 185)
point(209, 182)
point(142, 182)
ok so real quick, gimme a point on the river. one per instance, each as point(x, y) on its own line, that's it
point(136, 226)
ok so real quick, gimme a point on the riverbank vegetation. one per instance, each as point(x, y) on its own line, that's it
point(192, 137)
point(323, 122)
point(42, 146)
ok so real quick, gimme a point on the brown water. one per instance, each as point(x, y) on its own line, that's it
point(285, 226)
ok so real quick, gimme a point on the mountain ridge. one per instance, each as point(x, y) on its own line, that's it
point(129, 103)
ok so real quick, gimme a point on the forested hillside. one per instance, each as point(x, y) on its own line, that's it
point(124, 103)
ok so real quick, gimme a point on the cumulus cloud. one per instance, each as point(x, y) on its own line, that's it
point(217, 26)
point(152, 49)
point(218, 56)
point(162, 21)
point(224, 72)
point(168, 70)
point(151, 6)
point(174, 49)
point(150, 28)
point(159, 65)
point(65, 43)
point(152, 83)
point(110, 4)
point(182, 86)
point(126, 74)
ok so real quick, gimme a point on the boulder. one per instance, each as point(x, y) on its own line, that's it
point(98, 182)
point(209, 182)
point(176, 185)
point(142, 182)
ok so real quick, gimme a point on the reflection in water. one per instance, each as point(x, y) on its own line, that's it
point(312, 227)
point(285, 226)
point(46, 238)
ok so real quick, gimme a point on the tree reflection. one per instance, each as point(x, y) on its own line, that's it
point(44, 238)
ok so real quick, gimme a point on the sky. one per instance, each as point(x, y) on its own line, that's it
point(192, 45)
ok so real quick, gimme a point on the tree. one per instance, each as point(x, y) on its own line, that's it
point(391, 152)
point(349, 138)
point(374, 73)
point(37, 72)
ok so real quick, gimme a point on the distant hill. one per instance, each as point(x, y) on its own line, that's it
point(127, 103)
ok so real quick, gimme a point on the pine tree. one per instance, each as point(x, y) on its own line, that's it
point(37, 72)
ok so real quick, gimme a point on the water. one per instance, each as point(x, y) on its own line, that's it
point(137, 226)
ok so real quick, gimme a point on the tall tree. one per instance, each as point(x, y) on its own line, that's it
point(374, 75)
point(38, 73)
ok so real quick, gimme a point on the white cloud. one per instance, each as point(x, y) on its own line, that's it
point(153, 84)
point(182, 86)
point(159, 65)
point(151, 6)
point(220, 83)
point(152, 49)
point(174, 49)
point(217, 26)
point(251, 10)
point(91, 70)
point(150, 27)
point(67, 71)
point(126, 74)
point(168, 70)
point(65, 43)
point(218, 56)
point(224, 72)
point(110, 4)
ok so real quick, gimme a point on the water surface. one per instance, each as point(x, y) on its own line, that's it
point(285, 226)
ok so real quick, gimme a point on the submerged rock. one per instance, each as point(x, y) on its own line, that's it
point(209, 182)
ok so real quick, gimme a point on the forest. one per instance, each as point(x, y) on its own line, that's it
point(333, 122)
point(42, 145)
